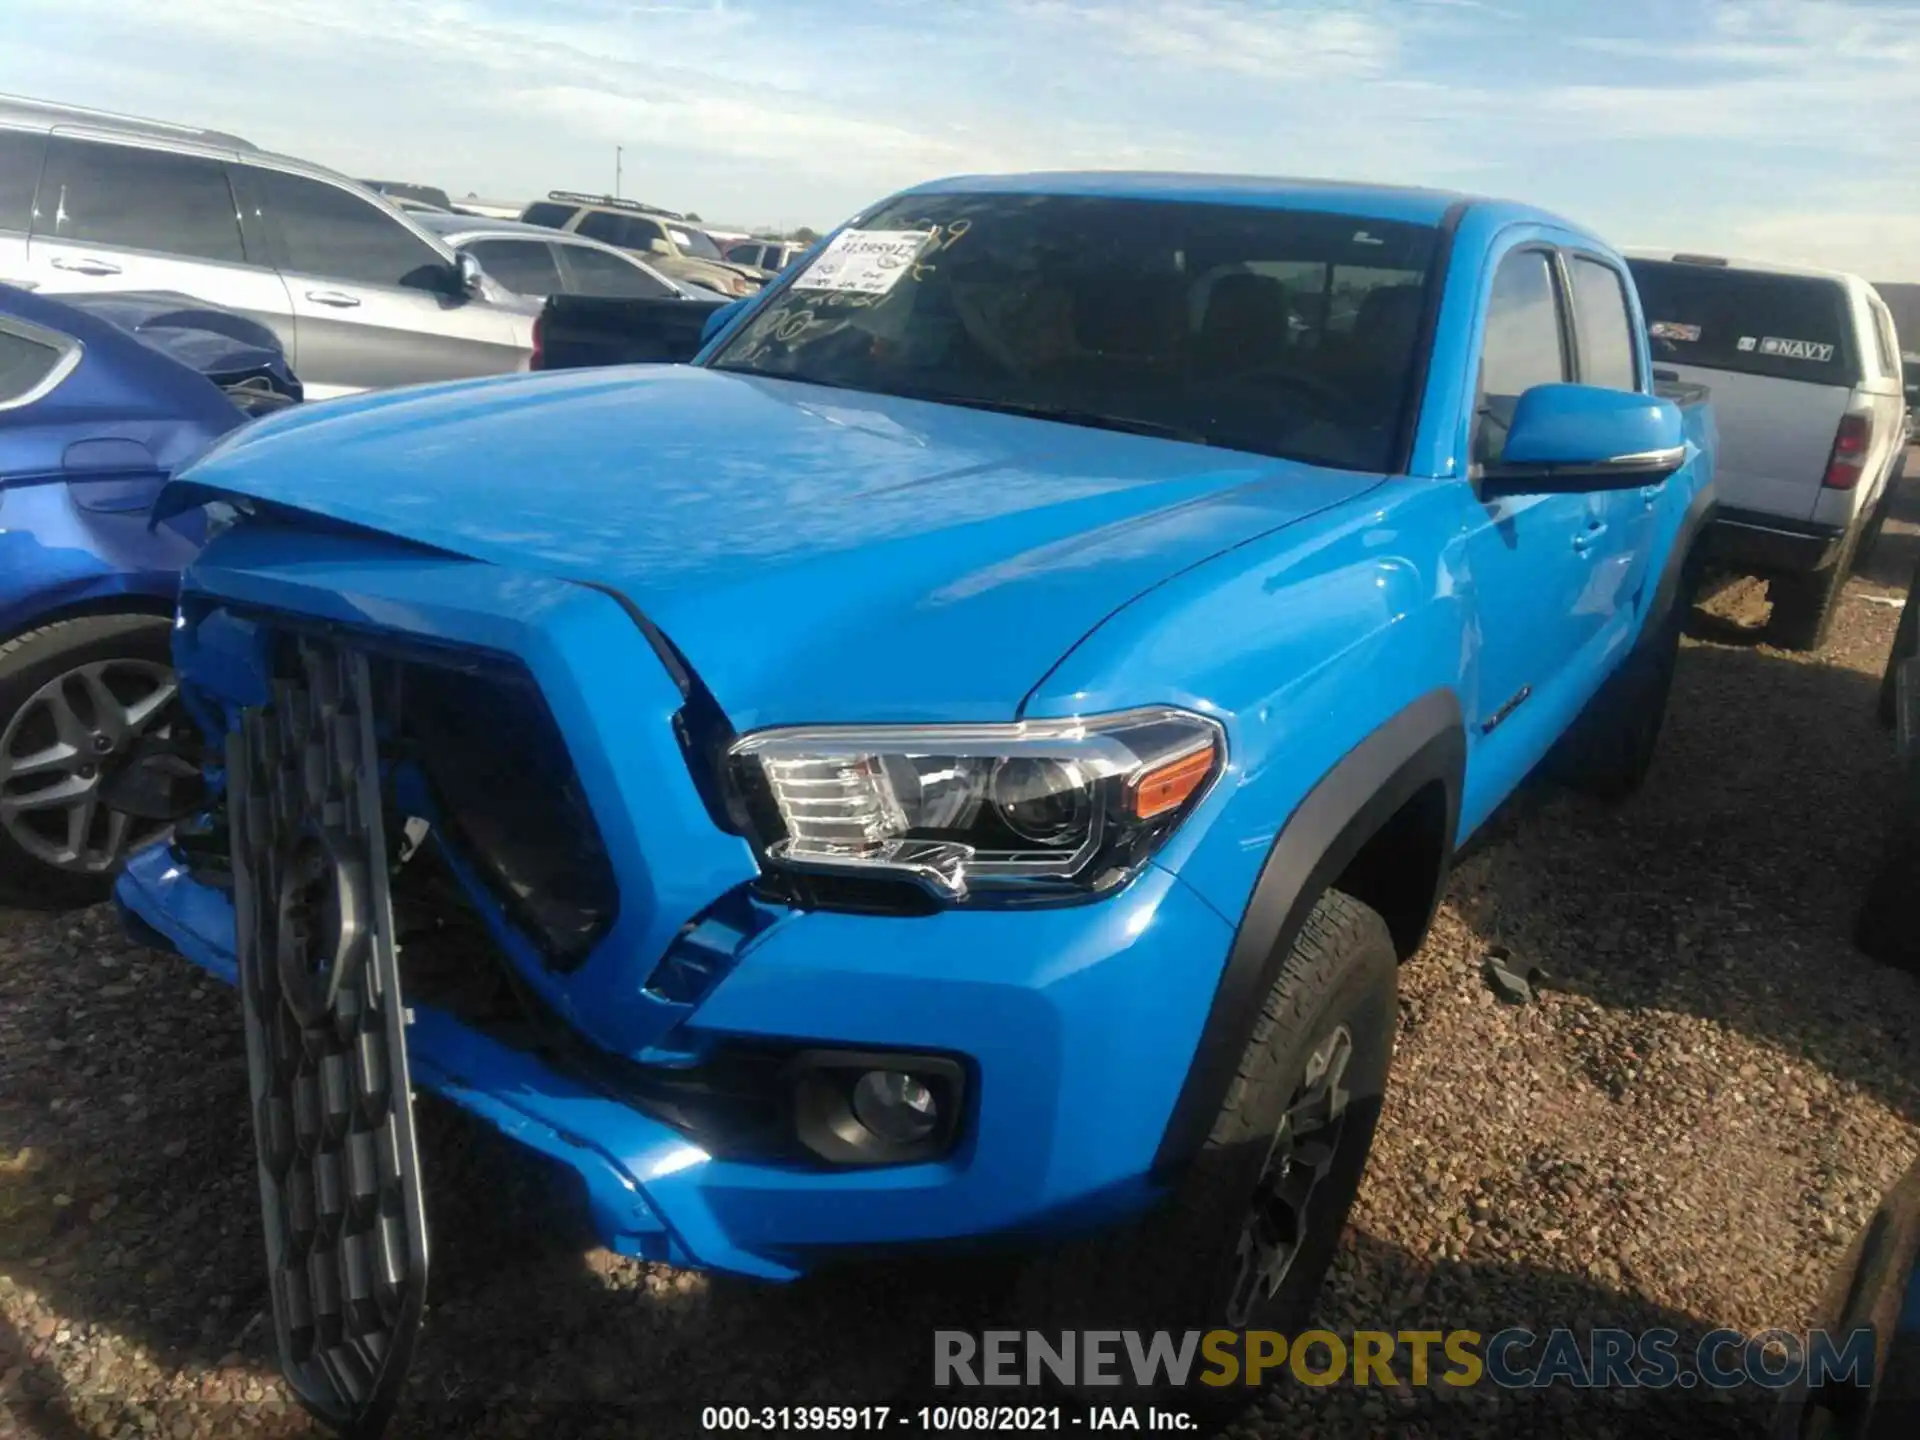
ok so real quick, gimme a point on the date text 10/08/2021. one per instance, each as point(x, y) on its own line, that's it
point(947, 1419)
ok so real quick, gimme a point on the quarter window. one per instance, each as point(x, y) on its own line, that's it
point(24, 363)
point(625, 231)
point(545, 212)
point(1522, 347)
point(1606, 333)
point(333, 234)
point(137, 199)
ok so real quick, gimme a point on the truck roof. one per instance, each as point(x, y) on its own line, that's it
point(1734, 262)
point(1407, 203)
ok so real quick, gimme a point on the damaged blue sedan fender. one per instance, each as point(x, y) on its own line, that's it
point(965, 757)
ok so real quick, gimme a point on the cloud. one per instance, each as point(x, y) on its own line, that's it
point(1199, 35)
point(1657, 117)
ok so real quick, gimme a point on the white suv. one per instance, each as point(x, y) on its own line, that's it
point(360, 295)
point(1807, 388)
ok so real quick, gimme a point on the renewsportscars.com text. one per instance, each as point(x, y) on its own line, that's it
point(1513, 1359)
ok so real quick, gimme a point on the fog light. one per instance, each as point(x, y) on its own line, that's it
point(896, 1107)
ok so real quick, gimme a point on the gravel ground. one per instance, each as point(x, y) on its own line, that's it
point(1685, 1128)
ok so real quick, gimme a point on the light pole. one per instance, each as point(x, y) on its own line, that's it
point(616, 172)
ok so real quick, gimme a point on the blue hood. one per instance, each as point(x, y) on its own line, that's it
point(816, 554)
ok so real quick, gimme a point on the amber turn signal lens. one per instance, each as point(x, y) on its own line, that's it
point(1172, 785)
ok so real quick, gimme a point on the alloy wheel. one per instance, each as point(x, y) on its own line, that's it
point(58, 749)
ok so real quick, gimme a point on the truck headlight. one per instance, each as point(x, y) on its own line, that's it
point(1041, 806)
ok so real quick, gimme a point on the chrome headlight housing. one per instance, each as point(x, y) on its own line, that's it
point(1044, 807)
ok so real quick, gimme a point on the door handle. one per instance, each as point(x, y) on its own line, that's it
point(85, 265)
point(339, 299)
point(1582, 543)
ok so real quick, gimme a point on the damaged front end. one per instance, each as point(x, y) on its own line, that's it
point(395, 844)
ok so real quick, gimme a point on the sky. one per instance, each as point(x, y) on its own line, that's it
point(1783, 129)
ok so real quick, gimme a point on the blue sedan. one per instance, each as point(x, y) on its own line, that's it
point(98, 406)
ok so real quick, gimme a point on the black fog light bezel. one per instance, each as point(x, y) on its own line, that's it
point(821, 1085)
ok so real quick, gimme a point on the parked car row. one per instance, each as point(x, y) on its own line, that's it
point(672, 243)
point(364, 290)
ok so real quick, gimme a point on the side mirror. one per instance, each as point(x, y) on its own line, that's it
point(657, 246)
point(720, 319)
point(469, 279)
point(1573, 438)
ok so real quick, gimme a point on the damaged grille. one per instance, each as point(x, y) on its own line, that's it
point(326, 1041)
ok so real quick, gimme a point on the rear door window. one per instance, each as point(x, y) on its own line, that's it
point(21, 152)
point(332, 234)
point(595, 272)
point(1600, 319)
point(138, 199)
point(525, 267)
point(1786, 327)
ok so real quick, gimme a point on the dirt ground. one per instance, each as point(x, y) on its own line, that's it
point(1685, 1128)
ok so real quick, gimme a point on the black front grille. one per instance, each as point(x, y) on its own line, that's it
point(326, 1040)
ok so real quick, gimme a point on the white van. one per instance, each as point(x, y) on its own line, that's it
point(1805, 374)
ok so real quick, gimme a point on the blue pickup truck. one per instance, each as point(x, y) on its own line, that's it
point(961, 760)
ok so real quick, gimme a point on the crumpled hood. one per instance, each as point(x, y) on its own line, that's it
point(816, 554)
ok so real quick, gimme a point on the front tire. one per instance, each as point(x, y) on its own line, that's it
point(1246, 1236)
point(74, 696)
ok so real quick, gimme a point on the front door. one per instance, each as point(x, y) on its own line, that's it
point(119, 217)
point(374, 304)
point(1531, 558)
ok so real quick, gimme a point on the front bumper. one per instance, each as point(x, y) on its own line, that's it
point(1079, 1025)
point(1760, 544)
point(1076, 1025)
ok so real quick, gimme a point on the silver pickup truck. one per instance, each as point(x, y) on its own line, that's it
point(1808, 389)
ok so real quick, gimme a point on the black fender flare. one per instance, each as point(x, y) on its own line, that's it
point(1424, 743)
point(1682, 557)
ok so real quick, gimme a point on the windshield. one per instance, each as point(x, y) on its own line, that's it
point(695, 242)
point(1279, 332)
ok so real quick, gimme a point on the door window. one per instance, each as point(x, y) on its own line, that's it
point(331, 233)
point(20, 157)
point(138, 199)
point(525, 267)
point(1522, 348)
point(1606, 335)
point(595, 272)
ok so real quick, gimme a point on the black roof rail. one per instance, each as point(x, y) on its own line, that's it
point(608, 202)
point(1719, 260)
